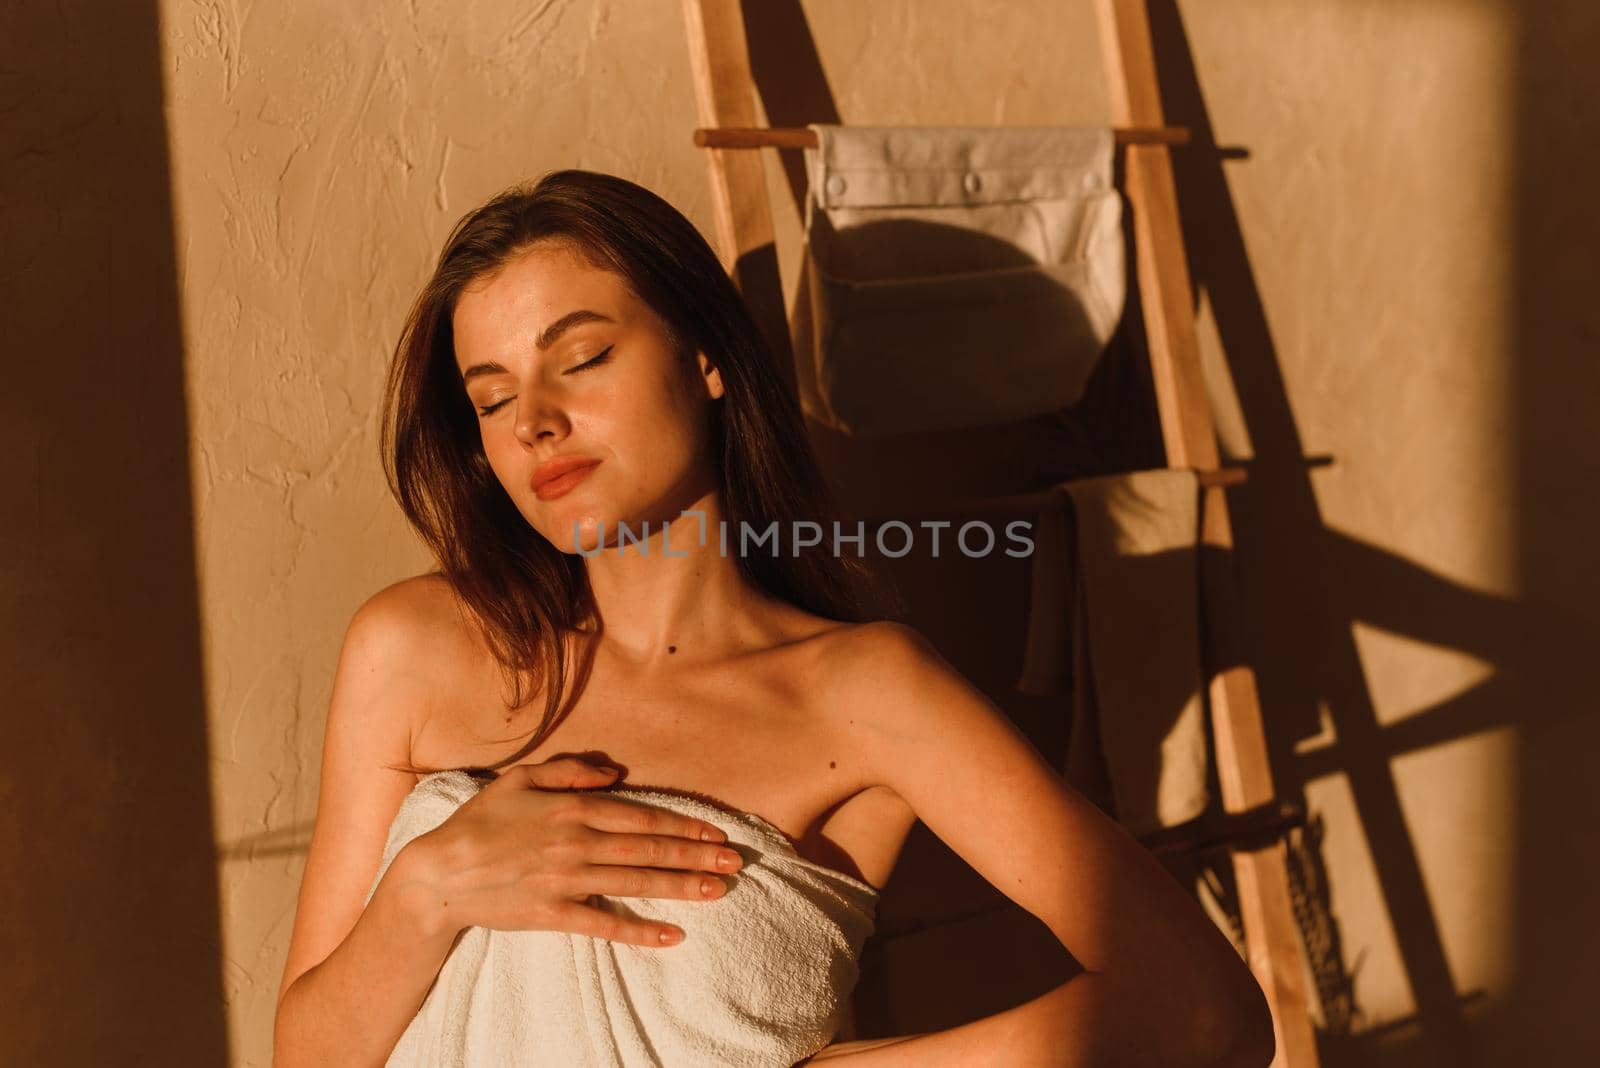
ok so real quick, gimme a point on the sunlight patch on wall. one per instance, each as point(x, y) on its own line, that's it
point(1407, 675)
point(1371, 954)
point(1460, 803)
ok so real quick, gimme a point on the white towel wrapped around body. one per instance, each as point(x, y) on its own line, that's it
point(762, 976)
point(1115, 620)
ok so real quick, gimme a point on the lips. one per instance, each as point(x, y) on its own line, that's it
point(557, 476)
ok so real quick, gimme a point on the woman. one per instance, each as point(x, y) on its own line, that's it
point(578, 364)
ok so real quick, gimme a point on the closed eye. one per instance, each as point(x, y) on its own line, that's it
point(597, 360)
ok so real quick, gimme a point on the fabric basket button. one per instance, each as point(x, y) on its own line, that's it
point(1091, 181)
point(971, 182)
point(835, 184)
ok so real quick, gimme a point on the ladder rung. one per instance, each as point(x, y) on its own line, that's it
point(802, 137)
point(1017, 505)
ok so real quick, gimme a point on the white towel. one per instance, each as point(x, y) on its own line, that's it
point(762, 976)
point(955, 275)
point(1116, 612)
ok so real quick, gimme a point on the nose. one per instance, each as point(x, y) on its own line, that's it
point(538, 418)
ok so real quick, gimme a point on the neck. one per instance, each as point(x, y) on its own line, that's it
point(674, 595)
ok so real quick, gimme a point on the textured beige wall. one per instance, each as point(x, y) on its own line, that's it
point(1395, 277)
point(1375, 208)
point(320, 154)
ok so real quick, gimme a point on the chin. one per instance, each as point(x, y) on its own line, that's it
point(575, 529)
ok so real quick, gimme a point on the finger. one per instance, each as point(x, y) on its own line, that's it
point(613, 814)
point(614, 880)
point(564, 773)
point(597, 923)
point(659, 851)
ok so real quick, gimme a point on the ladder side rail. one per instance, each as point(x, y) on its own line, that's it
point(725, 95)
point(1244, 769)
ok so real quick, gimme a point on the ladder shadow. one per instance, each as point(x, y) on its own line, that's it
point(1307, 585)
point(1300, 608)
point(1290, 603)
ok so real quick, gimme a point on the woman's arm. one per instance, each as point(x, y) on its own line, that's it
point(353, 1007)
point(1161, 984)
point(355, 976)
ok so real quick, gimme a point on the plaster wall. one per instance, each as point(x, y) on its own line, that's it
point(1391, 278)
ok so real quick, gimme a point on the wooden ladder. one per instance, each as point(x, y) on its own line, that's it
point(726, 95)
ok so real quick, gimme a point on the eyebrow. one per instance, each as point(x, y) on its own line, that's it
point(548, 337)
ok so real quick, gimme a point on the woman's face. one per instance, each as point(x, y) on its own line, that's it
point(562, 361)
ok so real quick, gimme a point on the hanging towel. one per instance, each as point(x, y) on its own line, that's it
point(958, 275)
point(1115, 617)
point(760, 979)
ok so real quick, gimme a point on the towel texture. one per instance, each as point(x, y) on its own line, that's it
point(761, 977)
point(1115, 616)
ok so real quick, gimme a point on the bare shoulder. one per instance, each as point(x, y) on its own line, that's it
point(872, 681)
point(420, 609)
point(959, 763)
point(385, 681)
point(883, 636)
point(872, 637)
point(389, 648)
point(421, 632)
point(909, 711)
point(867, 665)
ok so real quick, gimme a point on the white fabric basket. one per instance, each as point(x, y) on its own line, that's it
point(957, 275)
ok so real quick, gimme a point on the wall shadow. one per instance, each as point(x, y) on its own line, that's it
point(110, 899)
point(1553, 346)
point(1305, 585)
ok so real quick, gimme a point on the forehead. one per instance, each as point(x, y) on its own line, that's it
point(505, 312)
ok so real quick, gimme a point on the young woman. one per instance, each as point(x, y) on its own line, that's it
point(578, 364)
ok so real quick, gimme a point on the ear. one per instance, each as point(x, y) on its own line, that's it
point(710, 375)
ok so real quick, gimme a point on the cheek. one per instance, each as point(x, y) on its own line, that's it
point(657, 447)
point(501, 450)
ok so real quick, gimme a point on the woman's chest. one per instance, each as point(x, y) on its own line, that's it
point(754, 740)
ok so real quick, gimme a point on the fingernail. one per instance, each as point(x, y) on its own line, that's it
point(673, 935)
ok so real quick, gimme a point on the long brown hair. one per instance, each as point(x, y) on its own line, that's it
point(523, 593)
